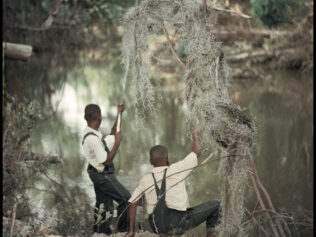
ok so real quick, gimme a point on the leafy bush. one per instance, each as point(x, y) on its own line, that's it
point(70, 206)
point(18, 162)
point(272, 12)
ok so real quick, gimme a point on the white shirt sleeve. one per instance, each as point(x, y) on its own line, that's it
point(138, 193)
point(185, 166)
point(96, 146)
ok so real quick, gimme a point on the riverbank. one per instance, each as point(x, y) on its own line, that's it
point(23, 229)
point(247, 44)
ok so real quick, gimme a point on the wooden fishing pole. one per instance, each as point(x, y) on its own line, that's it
point(119, 115)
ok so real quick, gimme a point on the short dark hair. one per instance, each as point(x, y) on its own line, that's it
point(157, 154)
point(91, 112)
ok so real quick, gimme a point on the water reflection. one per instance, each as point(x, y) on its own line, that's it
point(280, 105)
point(284, 151)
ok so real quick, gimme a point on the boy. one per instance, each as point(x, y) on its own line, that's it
point(100, 151)
point(167, 206)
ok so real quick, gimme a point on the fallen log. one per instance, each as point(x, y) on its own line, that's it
point(45, 158)
point(252, 32)
point(17, 51)
point(249, 55)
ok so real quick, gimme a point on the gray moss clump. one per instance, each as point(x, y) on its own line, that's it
point(206, 76)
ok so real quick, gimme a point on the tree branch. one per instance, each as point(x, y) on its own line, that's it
point(47, 23)
point(171, 47)
point(232, 12)
point(204, 8)
point(274, 230)
point(29, 28)
point(257, 222)
point(269, 199)
point(13, 219)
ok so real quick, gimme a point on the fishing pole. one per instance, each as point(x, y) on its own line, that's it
point(119, 116)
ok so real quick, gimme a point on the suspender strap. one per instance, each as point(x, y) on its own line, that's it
point(89, 133)
point(103, 142)
point(163, 184)
point(156, 186)
point(162, 190)
point(105, 146)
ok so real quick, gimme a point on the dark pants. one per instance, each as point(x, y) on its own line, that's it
point(181, 221)
point(108, 188)
point(103, 212)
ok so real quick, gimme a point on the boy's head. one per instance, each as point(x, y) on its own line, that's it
point(92, 113)
point(159, 156)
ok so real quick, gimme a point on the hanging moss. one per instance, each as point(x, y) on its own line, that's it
point(206, 76)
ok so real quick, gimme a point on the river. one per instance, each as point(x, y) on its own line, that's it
point(281, 105)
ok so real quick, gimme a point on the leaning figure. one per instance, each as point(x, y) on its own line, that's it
point(99, 151)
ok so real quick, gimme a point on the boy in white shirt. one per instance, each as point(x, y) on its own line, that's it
point(168, 205)
point(100, 150)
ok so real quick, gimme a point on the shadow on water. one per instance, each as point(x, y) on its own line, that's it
point(281, 106)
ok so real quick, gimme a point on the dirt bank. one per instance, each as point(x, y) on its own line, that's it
point(23, 229)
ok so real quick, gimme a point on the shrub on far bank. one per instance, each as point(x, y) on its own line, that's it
point(274, 12)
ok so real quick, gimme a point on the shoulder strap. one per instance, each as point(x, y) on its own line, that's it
point(89, 133)
point(156, 186)
point(162, 189)
point(102, 140)
point(163, 184)
point(105, 146)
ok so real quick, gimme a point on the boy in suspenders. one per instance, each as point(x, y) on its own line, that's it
point(168, 205)
point(100, 150)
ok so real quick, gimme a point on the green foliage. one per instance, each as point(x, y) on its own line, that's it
point(272, 12)
point(74, 213)
point(60, 187)
point(20, 165)
point(80, 28)
point(181, 49)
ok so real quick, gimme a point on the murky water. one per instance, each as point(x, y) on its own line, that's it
point(282, 106)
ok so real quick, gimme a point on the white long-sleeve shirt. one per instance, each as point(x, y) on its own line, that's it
point(176, 194)
point(93, 148)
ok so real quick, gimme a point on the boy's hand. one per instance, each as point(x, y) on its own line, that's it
point(120, 108)
point(195, 132)
point(196, 143)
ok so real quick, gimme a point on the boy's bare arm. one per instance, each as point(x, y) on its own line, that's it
point(132, 215)
point(111, 155)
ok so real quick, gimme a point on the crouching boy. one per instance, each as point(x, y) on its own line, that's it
point(166, 196)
